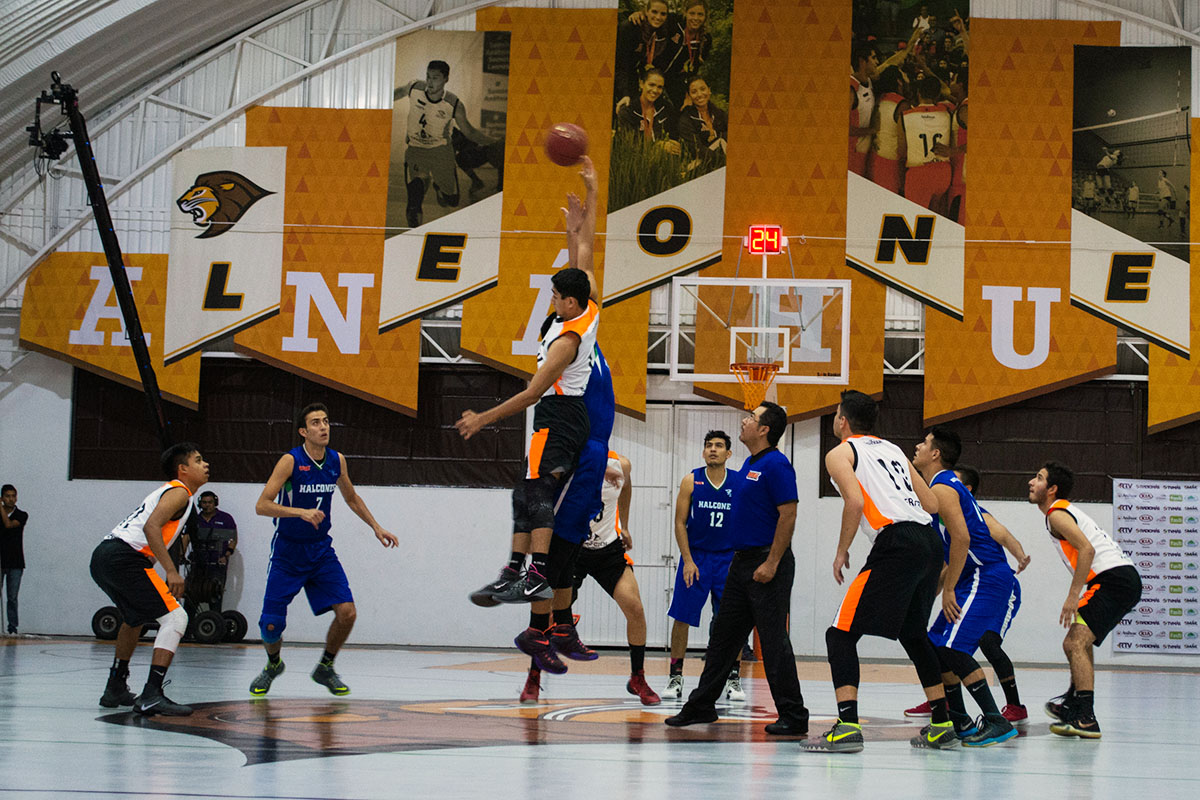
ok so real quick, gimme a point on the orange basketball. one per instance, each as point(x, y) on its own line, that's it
point(566, 144)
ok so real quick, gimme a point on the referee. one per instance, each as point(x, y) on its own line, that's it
point(758, 590)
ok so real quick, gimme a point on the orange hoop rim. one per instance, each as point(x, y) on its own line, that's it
point(755, 378)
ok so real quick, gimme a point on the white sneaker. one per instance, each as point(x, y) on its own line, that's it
point(733, 689)
point(674, 687)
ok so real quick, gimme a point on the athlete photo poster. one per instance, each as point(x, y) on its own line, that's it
point(1130, 184)
point(447, 129)
point(907, 147)
point(666, 196)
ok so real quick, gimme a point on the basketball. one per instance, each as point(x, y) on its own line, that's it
point(566, 144)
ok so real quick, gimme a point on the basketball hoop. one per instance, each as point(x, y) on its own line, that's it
point(755, 378)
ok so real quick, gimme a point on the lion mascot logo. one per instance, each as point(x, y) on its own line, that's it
point(217, 200)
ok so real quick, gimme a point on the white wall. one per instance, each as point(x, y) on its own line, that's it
point(453, 540)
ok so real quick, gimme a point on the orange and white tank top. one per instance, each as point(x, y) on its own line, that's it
point(574, 378)
point(925, 126)
point(1108, 552)
point(862, 112)
point(883, 474)
point(131, 530)
point(606, 529)
point(887, 138)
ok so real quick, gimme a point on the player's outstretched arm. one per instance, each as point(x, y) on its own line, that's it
point(266, 505)
point(470, 131)
point(406, 89)
point(1005, 539)
point(559, 355)
point(580, 217)
point(839, 462)
point(359, 507)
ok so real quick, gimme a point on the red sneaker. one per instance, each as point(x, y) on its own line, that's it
point(637, 685)
point(1015, 714)
point(922, 710)
point(533, 684)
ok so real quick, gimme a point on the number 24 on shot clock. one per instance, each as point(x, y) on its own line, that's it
point(765, 240)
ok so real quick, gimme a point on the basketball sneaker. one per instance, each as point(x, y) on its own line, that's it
point(733, 689)
point(533, 684)
point(152, 701)
point(637, 685)
point(989, 731)
point(531, 587)
point(536, 645)
point(116, 693)
point(843, 737)
point(565, 641)
point(1059, 708)
point(485, 596)
point(964, 726)
point(1077, 725)
point(325, 675)
point(674, 687)
point(262, 684)
point(935, 737)
point(1017, 715)
point(922, 710)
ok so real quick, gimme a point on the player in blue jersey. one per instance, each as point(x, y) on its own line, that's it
point(977, 585)
point(299, 494)
point(703, 516)
point(990, 644)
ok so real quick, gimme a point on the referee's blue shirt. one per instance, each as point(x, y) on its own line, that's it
point(767, 482)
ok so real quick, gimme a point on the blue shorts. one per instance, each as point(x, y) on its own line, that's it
point(311, 566)
point(688, 601)
point(989, 597)
point(579, 501)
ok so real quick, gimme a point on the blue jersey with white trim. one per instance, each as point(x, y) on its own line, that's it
point(311, 486)
point(600, 399)
point(983, 549)
point(710, 518)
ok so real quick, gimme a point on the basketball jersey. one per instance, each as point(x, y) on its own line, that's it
point(132, 528)
point(982, 550)
point(1108, 553)
point(1164, 189)
point(881, 469)
point(429, 121)
point(711, 511)
point(574, 378)
point(607, 527)
point(925, 126)
point(887, 138)
point(599, 399)
point(311, 486)
point(865, 93)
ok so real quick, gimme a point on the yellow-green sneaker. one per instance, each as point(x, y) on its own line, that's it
point(843, 737)
point(936, 736)
point(262, 683)
point(325, 676)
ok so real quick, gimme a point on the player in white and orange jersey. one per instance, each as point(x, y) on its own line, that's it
point(1105, 586)
point(893, 594)
point(123, 566)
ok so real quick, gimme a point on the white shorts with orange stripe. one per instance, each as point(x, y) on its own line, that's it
point(893, 595)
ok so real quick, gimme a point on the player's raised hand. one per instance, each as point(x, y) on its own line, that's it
point(386, 539)
point(587, 171)
point(574, 213)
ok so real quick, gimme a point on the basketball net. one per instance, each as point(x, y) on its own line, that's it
point(755, 378)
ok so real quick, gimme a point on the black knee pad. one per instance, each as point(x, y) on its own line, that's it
point(540, 494)
point(842, 649)
point(925, 658)
point(956, 661)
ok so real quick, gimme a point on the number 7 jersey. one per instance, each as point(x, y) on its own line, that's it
point(311, 486)
point(882, 471)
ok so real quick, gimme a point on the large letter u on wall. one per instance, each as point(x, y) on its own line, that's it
point(1004, 300)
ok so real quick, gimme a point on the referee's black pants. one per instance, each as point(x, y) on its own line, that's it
point(747, 604)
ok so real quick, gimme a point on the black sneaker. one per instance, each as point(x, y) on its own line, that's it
point(152, 701)
point(1059, 708)
point(116, 693)
point(324, 674)
point(990, 730)
point(531, 587)
point(565, 641)
point(486, 595)
point(1085, 727)
point(536, 645)
point(690, 715)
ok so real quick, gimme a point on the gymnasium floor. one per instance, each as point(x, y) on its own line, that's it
point(425, 723)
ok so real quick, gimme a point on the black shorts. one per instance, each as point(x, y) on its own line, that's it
point(560, 429)
point(560, 562)
point(606, 564)
point(1110, 596)
point(892, 596)
point(130, 581)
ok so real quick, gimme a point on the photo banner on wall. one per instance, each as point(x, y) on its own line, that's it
point(671, 92)
point(328, 326)
point(1131, 165)
point(1020, 335)
point(907, 150)
point(70, 312)
point(226, 244)
point(446, 171)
